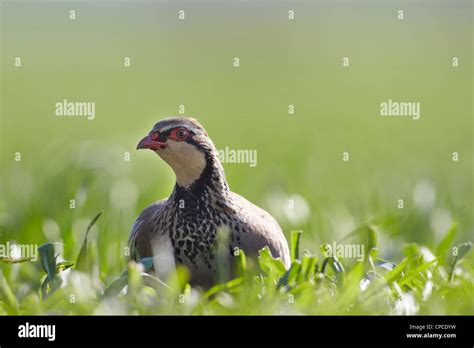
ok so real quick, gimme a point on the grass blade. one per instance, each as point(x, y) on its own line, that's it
point(62, 266)
point(395, 274)
point(295, 245)
point(447, 241)
point(241, 263)
point(116, 286)
point(82, 258)
point(48, 260)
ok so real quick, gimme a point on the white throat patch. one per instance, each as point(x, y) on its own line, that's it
point(185, 159)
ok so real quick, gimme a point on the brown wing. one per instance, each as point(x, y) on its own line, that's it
point(142, 230)
point(264, 230)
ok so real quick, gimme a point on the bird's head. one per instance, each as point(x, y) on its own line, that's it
point(184, 144)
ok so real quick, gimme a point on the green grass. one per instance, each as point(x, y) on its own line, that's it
point(424, 281)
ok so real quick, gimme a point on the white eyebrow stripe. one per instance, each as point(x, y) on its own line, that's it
point(166, 128)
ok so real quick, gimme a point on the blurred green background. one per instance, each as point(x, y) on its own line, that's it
point(300, 177)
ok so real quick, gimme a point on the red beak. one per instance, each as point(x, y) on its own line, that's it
point(148, 143)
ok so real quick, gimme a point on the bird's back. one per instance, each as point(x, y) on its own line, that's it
point(259, 229)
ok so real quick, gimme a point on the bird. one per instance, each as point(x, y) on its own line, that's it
point(187, 223)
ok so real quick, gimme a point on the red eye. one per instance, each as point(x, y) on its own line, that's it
point(179, 134)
